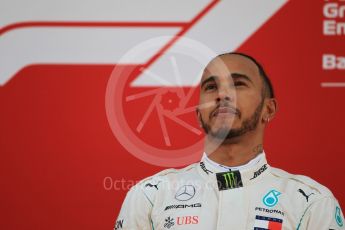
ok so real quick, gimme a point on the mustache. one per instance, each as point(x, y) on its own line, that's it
point(225, 104)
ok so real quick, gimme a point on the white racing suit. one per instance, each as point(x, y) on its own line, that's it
point(259, 197)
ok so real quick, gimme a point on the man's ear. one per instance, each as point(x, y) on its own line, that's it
point(271, 108)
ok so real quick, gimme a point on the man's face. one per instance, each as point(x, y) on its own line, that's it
point(231, 99)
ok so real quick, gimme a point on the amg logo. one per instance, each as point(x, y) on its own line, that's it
point(261, 170)
point(197, 205)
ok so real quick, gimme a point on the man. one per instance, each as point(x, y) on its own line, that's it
point(232, 187)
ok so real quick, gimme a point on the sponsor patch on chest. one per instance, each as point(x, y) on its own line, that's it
point(267, 223)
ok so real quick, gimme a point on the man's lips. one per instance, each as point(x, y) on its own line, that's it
point(224, 110)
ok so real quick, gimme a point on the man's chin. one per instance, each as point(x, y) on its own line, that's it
point(223, 127)
point(224, 133)
point(221, 133)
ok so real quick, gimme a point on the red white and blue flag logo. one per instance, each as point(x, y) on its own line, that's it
point(267, 223)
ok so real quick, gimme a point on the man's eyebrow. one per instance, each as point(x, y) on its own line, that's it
point(236, 76)
point(211, 78)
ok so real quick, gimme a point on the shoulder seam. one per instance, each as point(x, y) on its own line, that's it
point(321, 189)
point(311, 204)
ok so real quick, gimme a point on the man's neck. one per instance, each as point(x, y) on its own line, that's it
point(234, 153)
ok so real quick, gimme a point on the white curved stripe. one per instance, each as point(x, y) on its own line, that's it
point(73, 46)
point(13, 11)
point(223, 29)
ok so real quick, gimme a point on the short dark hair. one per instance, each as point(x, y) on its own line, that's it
point(268, 88)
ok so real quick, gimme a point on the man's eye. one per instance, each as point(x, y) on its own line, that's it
point(239, 83)
point(210, 87)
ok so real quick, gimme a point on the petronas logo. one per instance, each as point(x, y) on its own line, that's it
point(271, 198)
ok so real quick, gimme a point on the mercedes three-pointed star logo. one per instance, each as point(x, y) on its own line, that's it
point(186, 192)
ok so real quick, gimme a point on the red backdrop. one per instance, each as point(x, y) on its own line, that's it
point(63, 168)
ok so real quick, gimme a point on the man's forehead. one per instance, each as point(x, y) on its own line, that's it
point(231, 63)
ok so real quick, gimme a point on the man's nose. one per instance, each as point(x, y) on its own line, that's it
point(227, 94)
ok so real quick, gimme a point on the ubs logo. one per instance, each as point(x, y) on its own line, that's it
point(183, 220)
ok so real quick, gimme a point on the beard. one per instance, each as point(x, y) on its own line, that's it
point(224, 134)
